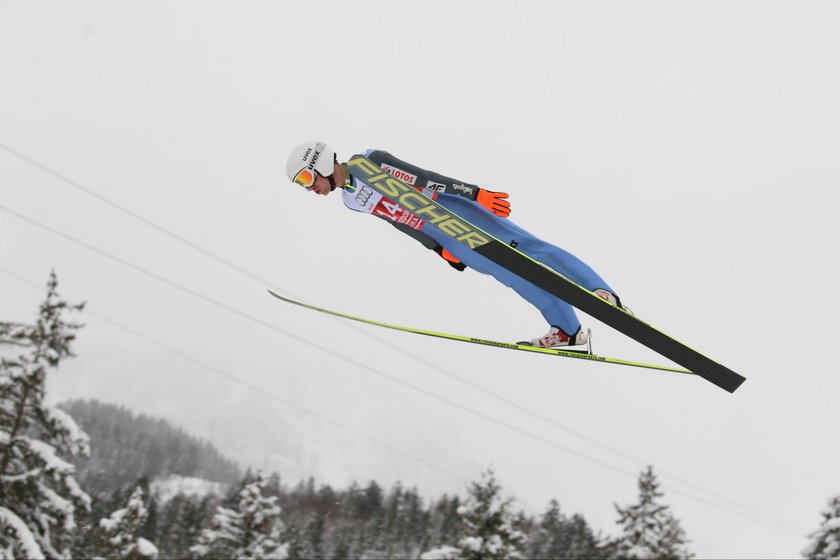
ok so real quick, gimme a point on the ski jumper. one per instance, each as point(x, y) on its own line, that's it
point(459, 198)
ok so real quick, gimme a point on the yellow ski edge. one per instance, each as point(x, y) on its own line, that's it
point(484, 342)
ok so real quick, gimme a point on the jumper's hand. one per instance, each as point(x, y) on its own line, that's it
point(494, 201)
point(450, 258)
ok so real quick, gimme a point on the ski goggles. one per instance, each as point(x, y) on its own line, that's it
point(305, 178)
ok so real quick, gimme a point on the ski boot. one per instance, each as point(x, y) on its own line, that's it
point(556, 337)
point(611, 298)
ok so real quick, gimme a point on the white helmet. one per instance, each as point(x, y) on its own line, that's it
point(306, 159)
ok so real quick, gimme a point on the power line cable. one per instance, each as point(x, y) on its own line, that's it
point(379, 373)
point(243, 271)
point(250, 386)
point(301, 339)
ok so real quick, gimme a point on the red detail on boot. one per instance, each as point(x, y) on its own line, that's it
point(555, 337)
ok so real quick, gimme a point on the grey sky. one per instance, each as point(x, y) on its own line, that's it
point(687, 151)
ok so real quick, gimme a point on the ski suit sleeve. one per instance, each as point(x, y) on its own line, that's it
point(427, 242)
point(421, 178)
point(424, 239)
point(431, 244)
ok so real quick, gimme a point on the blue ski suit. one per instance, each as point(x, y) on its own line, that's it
point(459, 198)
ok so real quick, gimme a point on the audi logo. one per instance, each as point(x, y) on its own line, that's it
point(364, 195)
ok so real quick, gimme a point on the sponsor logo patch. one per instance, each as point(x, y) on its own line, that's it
point(392, 211)
point(363, 196)
point(462, 188)
point(404, 176)
point(312, 163)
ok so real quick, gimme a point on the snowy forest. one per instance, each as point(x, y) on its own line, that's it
point(85, 479)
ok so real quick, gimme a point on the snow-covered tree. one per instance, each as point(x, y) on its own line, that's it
point(649, 529)
point(825, 541)
point(122, 529)
point(251, 530)
point(489, 528)
point(558, 537)
point(39, 495)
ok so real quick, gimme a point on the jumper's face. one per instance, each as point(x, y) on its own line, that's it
point(320, 186)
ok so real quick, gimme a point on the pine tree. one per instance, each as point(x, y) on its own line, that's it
point(39, 495)
point(170, 540)
point(378, 546)
point(314, 537)
point(825, 541)
point(123, 527)
point(417, 522)
point(451, 524)
point(490, 529)
point(341, 547)
point(251, 530)
point(180, 522)
point(149, 530)
point(294, 543)
point(649, 530)
point(581, 542)
point(551, 537)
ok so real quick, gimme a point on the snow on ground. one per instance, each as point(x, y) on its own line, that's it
point(169, 487)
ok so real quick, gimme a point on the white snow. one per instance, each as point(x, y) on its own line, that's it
point(167, 488)
point(25, 538)
point(494, 544)
point(57, 504)
point(111, 522)
point(77, 440)
point(146, 549)
point(53, 464)
point(441, 553)
point(472, 543)
point(33, 473)
point(76, 491)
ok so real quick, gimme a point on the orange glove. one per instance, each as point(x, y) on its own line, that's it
point(450, 258)
point(494, 201)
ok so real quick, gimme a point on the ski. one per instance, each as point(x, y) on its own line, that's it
point(540, 275)
point(563, 353)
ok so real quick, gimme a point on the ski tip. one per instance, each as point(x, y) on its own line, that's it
point(278, 296)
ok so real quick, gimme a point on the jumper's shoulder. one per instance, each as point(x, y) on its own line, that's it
point(379, 156)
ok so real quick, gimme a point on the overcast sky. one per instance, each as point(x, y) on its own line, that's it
point(687, 151)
